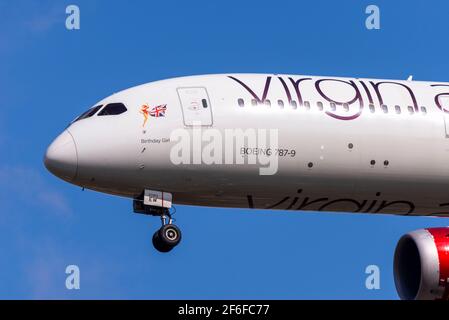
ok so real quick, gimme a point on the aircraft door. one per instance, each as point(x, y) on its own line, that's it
point(444, 101)
point(196, 107)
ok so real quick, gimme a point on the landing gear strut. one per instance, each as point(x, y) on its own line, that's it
point(168, 236)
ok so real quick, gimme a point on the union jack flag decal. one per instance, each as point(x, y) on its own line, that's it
point(158, 111)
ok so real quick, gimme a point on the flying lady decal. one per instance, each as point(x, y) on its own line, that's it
point(156, 112)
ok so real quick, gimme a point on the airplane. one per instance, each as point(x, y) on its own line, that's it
point(275, 142)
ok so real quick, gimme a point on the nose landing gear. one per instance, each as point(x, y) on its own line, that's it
point(168, 236)
point(157, 203)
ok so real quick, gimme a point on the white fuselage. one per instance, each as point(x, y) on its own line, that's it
point(352, 145)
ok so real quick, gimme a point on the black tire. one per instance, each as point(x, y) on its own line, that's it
point(160, 245)
point(169, 235)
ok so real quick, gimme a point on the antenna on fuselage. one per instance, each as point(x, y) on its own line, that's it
point(410, 78)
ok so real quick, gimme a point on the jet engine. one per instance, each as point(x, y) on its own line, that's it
point(421, 265)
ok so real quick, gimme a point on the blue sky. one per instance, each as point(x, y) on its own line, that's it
point(49, 75)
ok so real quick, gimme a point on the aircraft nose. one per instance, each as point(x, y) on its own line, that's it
point(61, 157)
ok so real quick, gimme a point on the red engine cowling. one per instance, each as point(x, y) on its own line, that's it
point(421, 265)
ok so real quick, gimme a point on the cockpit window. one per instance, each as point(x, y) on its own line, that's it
point(113, 109)
point(89, 113)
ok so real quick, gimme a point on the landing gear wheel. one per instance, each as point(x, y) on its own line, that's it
point(170, 234)
point(166, 238)
point(158, 244)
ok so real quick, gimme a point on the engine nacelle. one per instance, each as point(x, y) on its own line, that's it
point(421, 265)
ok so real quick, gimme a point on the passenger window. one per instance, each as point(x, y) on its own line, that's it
point(411, 110)
point(281, 103)
point(333, 106)
point(384, 108)
point(397, 109)
point(307, 105)
point(424, 110)
point(371, 108)
point(267, 103)
point(89, 113)
point(254, 102)
point(241, 103)
point(293, 104)
point(113, 109)
point(346, 107)
point(319, 105)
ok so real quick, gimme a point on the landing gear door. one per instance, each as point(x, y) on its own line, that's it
point(196, 107)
